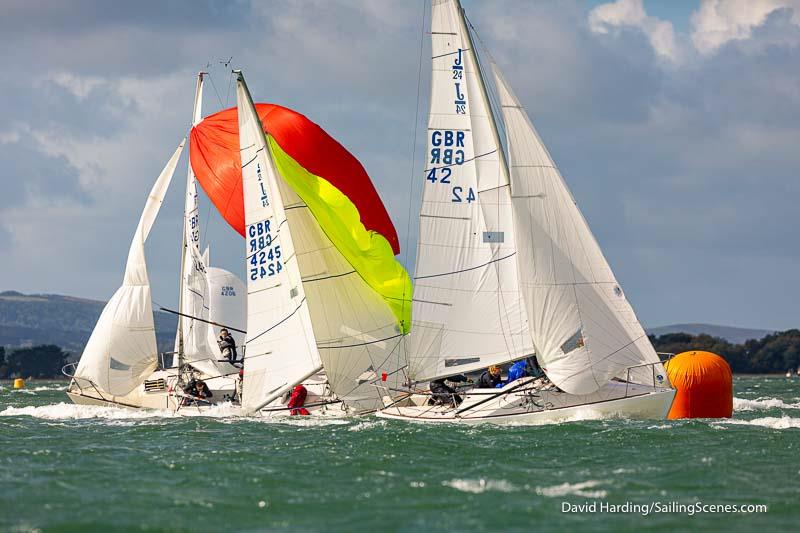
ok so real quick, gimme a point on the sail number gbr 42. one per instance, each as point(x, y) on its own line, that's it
point(447, 148)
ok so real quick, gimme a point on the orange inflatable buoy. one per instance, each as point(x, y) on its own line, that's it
point(704, 384)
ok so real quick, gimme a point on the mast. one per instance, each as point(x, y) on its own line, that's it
point(196, 117)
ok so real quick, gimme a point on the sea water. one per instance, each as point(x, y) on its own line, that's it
point(68, 467)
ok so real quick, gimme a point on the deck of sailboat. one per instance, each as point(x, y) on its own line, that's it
point(532, 401)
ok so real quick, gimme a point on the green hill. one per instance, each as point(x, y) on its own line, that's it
point(729, 333)
point(66, 321)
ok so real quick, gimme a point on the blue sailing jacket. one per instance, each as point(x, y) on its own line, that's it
point(517, 370)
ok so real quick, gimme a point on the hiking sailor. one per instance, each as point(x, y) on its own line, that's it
point(227, 346)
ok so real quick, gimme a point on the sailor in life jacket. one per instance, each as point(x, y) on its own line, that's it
point(227, 346)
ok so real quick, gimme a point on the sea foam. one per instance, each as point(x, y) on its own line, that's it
point(742, 404)
point(576, 489)
point(478, 486)
point(70, 411)
point(784, 422)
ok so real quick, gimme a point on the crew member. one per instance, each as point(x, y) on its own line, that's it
point(227, 346)
point(444, 394)
point(490, 378)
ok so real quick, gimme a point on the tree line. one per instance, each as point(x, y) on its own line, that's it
point(43, 361)
point(775, 353)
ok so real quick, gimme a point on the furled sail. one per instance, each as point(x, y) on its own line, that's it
point(280, 347)
point(122, 350)
point(468, 312)
point(194, 286)
point(584, 330)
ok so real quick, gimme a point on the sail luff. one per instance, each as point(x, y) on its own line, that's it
point(122, 350)
point(584, 329)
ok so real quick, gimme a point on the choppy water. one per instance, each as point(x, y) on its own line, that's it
point(69, 467)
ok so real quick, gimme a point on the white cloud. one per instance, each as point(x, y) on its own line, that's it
point(720, 21)
point(78, 86)
point(631, 13)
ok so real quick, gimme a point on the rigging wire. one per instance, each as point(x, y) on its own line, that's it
point(412, 176)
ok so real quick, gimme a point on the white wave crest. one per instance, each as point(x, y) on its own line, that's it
point(743, 404)
point(577, 489)
point(69, 411)
point(478, 486)
point(784, 422)
point(302, 421)
point(361, 426)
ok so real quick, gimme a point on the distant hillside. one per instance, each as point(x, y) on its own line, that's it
point(33, 319)
point(730, 334)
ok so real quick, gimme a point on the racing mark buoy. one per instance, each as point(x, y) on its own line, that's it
point(19, 383)
point(704, 385)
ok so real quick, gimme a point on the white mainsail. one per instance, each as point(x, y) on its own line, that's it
point(584, 330)
point(280, 348)
point(468, 312)
point(122, 349)
point(194, 286)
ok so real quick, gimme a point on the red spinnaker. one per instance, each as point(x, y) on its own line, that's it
point(215, 160)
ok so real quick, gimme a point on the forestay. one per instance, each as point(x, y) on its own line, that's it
point(467, 312)
point(122, 350)
point(280, 347)
point(584, 330)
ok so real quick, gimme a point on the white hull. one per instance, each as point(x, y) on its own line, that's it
point(319, 402)
point(524, 403)
point(150, 395)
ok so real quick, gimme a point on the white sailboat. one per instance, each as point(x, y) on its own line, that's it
point(507, 267)
point(120, 365)
point(312, 320)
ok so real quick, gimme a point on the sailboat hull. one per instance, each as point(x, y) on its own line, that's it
point(526, 404)
point(155, 393)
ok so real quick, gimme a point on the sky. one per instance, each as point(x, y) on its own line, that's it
point(675, 124)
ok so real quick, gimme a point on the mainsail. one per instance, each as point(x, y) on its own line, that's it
point(280, 346)
point(584, 330)
point(468, 311)
point(122, 349)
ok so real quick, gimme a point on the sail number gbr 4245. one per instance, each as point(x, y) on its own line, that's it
point(264, 257)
